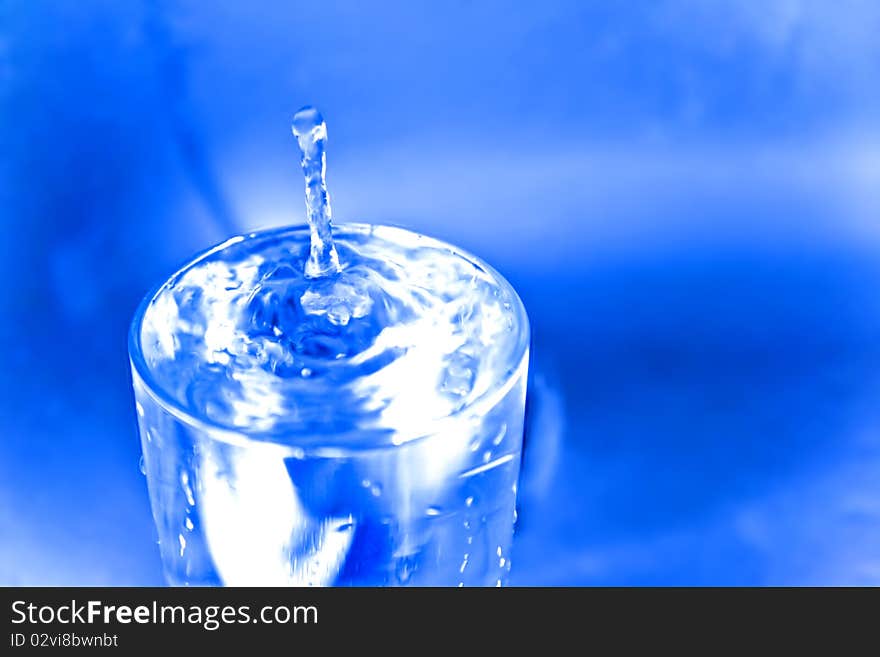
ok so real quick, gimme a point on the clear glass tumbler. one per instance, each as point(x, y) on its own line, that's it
point(243, 505)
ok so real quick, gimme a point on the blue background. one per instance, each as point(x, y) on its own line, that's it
point(686, 195)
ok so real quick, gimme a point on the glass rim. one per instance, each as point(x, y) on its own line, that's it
point(243, 436)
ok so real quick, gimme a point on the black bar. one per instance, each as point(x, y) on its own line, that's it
point(128, 619)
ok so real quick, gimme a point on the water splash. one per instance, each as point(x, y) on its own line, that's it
point(312, 374)
point(311, 134)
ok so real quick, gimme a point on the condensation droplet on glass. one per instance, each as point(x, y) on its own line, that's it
point(433, 511)
point(376, 490)
point(469, 501)
point(182, 541)
point(487, 456)
point(140, 409)
point(188, 524)
point(142, 465)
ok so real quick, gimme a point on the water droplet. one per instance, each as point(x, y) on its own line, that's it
point(433, 511)
point(182, 541)
point(459, 378)
point(142, 465)
point(501, 562)
point(500, 435)
point(498, 551)
point(311, 134)
point(405, 569)
point(140, 409)
point(376, 490)
point(469, 501)
point(305, 372)
point(188, 524)
point(475, 444)
point(487, 456)
point(498, 584)
point(184, 482)
point(464, 563)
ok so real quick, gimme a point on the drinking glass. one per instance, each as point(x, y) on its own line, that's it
point(433, 505)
